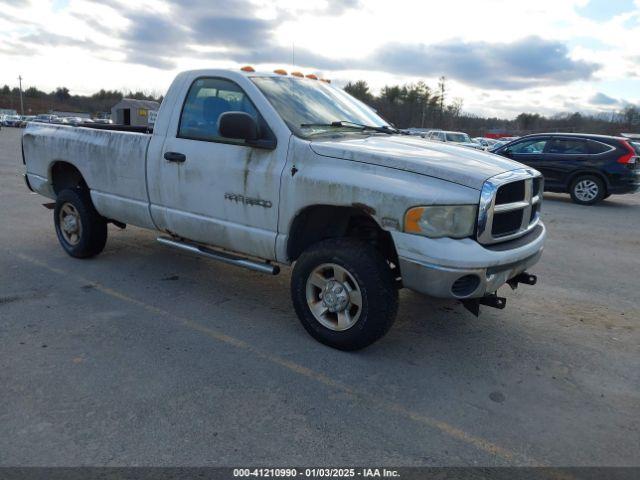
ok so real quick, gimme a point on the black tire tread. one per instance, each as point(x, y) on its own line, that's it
point(379, 291)
point(94, 225)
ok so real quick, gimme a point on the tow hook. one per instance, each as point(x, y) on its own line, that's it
point(490, 300)
point(523, 277)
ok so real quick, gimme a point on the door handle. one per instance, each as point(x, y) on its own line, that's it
point(175, 157)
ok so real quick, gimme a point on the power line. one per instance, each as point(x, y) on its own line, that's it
point(21, 102)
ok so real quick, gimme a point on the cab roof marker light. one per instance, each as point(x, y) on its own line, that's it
point(280, 71)
point(312, 76)
point(297, 74)
point(247, 68)
point(325, 80)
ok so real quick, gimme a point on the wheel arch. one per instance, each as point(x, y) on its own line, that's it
point(578, 173)
point(64, 174)
point(315, 223)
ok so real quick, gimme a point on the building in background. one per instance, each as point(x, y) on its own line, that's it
point(130, 111)
point(7, 111)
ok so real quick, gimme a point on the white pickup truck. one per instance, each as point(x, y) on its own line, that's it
point(260, 169)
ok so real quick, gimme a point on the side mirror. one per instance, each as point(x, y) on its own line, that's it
point(238, 125)
point(242, 126)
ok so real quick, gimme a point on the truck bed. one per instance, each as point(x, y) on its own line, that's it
point(118, 128)
point(112, 162)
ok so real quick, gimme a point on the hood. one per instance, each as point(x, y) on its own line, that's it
point(462, 165)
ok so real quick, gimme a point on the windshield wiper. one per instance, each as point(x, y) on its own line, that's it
point(349, 124)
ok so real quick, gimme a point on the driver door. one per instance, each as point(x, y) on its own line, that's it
point(215, 190)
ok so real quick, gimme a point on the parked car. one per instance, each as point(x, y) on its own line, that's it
point(103, 121)
point(75, 121)
point(417, 132)
point(255, 169)
point(12, 121)
point(588, 167)
point(496, 146)
point(457, 138)
point(28, 118)
point(485, 142)
point(46, 118)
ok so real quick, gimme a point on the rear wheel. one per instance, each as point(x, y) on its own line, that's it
point(344, 293)
point(81, 230)
point(587, 190)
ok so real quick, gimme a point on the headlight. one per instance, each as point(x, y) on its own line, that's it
point(455, 221)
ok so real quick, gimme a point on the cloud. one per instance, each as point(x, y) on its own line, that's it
point(526, 63)
point(234, 31)
point(28, 44)
point(603, 100)
point(155, 39)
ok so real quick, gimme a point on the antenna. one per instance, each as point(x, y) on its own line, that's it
point(293, 54)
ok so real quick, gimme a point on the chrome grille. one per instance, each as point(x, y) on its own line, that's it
point(509, 205)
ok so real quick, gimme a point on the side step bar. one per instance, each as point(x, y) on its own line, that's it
point(223, 257)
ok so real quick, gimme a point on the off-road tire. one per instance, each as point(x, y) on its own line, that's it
point(93, 236)
point(376, 283)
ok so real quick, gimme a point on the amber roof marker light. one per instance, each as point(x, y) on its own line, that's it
point(297, 74)
point(280, 71)
point(312, 76)
point(247, 68)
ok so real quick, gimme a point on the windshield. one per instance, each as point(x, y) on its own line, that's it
point(301, 101)
point(458, 137)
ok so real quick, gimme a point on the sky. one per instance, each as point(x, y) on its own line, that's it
point(500, 57)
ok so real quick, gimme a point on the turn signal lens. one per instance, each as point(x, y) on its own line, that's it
point(297, 74)
point(279, 71)
point(437, 221)
point(247, 68)
point(312, 76)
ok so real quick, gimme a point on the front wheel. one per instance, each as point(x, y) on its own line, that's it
point(81, 230)
point(587, 190)
point(344, 293)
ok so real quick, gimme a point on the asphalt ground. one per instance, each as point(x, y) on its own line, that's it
point(149, 356)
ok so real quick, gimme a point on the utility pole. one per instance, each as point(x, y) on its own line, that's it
point(21, 103)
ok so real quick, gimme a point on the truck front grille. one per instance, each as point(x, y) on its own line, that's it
point(509, 205)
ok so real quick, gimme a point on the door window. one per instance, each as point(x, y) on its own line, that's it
point(530, 147)
point(208, 98)
point(568, 146)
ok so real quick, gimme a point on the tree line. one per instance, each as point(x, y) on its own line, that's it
point(406, 105)
point(421, 106)
point(37, 101)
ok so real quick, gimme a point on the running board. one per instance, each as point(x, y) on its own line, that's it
point(223, 257)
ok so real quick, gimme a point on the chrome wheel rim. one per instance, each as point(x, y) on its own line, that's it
point(70, 224)
point(334, 297)
point(586, 190)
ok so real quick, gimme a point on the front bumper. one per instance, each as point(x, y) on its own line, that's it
point(463, 269)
